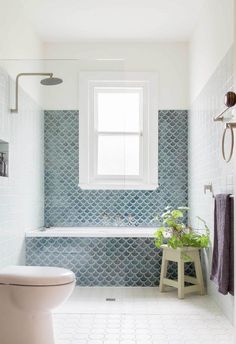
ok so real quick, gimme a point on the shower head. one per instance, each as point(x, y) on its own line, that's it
point(51, 81)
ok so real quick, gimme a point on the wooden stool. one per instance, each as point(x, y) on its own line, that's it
point(181, 256)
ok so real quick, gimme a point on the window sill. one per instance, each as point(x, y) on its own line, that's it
point(118, 187)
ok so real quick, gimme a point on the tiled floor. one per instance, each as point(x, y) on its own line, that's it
point(139, 316)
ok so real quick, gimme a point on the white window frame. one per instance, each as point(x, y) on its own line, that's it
point(89, 82)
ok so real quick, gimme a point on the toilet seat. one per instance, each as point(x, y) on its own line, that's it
point(35, 276)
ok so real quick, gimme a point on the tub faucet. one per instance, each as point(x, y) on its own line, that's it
point(105, 218)
point(131, 220)
point(118, 220)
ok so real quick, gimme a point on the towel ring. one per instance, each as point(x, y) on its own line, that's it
point(230, 127)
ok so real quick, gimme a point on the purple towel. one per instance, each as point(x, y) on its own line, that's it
point(222, 272)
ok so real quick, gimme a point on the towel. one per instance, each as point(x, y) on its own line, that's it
point(222, 272)
point(231, 249)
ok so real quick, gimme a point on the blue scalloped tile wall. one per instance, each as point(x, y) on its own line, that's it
point(107, 261)
point(67, 205)
point(103, 261)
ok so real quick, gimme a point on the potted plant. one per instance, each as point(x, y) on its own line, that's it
point(176, 234)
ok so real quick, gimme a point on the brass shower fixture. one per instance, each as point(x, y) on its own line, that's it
point(49, 81)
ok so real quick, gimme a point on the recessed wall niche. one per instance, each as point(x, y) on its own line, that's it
point(4, 158)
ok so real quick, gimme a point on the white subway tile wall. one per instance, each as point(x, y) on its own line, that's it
point(206, 164)
point(22, 194)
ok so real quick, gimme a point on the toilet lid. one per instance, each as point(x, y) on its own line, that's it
point(36, 276)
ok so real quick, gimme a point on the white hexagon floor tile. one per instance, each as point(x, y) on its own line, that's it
point(139, 316)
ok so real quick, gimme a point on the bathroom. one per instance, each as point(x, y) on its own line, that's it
point(70, 193)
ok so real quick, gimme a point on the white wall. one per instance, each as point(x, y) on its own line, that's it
point(211, 39)
point(21, 195)
point(17, 36)
point(170, 60)
point(19, 46)
point(211, 77)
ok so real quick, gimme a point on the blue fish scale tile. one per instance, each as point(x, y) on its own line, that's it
point(67, 205)
point(103, 261)
point(107, 261)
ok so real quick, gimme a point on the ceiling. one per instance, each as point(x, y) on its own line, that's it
point(113, 20)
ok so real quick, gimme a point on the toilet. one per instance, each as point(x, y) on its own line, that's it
point(28, 294)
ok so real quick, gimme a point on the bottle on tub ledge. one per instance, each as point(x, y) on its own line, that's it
point(3, 165)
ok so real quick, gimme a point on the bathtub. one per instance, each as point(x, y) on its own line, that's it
point(91, 232)
point(100, 256)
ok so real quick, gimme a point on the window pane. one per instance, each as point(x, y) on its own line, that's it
point(132, 155)
point(118, 155)
point(118, 110)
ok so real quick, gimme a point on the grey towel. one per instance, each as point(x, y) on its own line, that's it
point(222, 272)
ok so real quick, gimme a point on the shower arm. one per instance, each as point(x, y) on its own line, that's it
point(15, 110)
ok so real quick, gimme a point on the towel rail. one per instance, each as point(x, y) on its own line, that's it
point(209, 187)
point(230, 101)
point(229, 126)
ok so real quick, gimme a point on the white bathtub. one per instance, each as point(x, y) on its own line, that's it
point(104, 232)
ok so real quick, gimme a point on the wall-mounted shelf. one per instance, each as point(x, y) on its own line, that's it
point(4, 159)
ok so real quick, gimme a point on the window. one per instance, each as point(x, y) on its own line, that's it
point(118, 131)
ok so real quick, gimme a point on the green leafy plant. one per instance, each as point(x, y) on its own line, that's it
point(176, 234)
